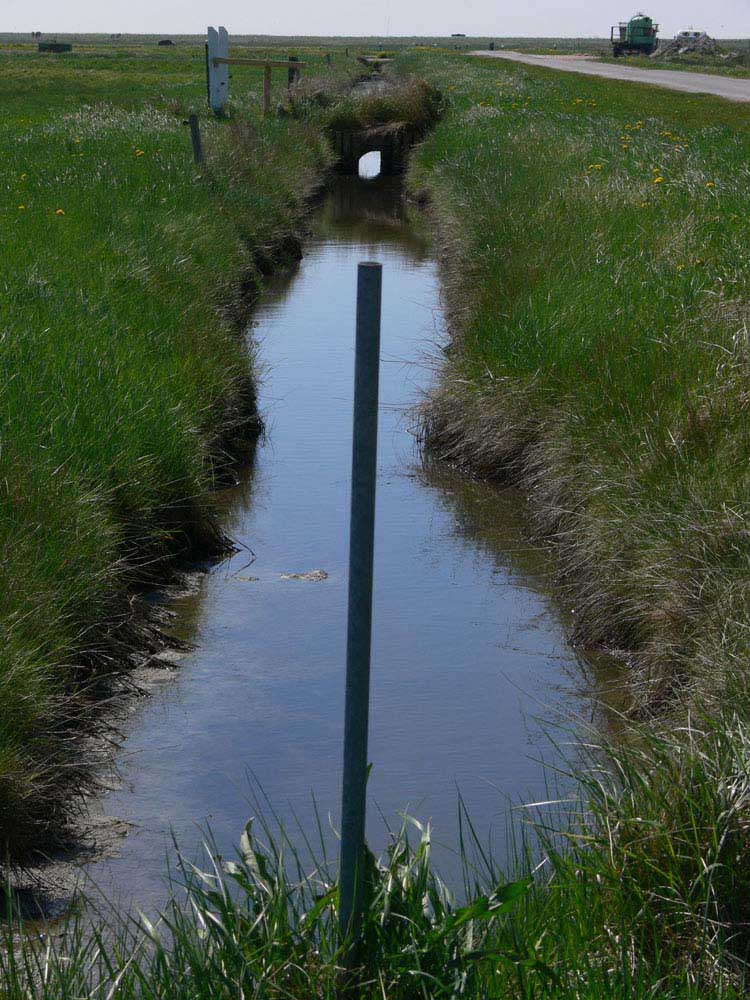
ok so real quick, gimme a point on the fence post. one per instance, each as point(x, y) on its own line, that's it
point(361, 544)
point(218, 76)
point(195, 135)
point(293, 76)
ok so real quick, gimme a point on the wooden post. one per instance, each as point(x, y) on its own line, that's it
point(195, 135)
point(218, 69)
point(266, 89)
point(293, 72)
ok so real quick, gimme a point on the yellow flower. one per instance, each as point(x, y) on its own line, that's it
point(594, 166)
point(658, 180)
point(59, 211)
point(139, 152)
point(625, 146)
point(710, 184)
point(655, 170)
point(21, 208)
point(24, 176)
point(76, 140)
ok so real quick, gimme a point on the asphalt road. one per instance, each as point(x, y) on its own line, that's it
point(691, 83)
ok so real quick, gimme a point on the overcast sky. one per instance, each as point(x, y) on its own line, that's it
point(550, 18)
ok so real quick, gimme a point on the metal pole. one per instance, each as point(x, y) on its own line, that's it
point(195, 135)
point(267, 89)
point(361, 542)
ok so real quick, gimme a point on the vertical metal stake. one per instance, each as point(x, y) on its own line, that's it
point(266, 89)
point(361, 542)
point(195, 135)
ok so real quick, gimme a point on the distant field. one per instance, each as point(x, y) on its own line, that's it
point(357, 43)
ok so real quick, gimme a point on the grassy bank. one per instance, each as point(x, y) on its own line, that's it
point(596, 277)
point(595, 271)
point(127, 386)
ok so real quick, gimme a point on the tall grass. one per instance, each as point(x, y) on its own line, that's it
point(638, 889)
point(598, 288)
point(127, 386)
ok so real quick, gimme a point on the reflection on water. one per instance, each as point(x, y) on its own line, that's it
point(467, 651)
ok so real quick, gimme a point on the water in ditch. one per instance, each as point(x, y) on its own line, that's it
point(469, 652)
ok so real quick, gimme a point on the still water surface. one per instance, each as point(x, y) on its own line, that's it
point(467, 649)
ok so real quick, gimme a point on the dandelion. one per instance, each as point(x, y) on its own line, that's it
point(139, 152)
point(59, 211)
point(625, 146)
point(21, 208)
point(658, 180)
point(710, 184)
point(24, 176)
point(594, 166)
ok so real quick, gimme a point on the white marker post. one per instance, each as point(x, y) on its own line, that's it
point(218, 73)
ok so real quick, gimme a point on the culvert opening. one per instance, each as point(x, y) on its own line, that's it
point(369, 165)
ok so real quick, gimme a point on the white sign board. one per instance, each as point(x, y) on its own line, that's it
point(218, 76)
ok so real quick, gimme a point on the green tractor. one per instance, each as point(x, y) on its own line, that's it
point(634, 37)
